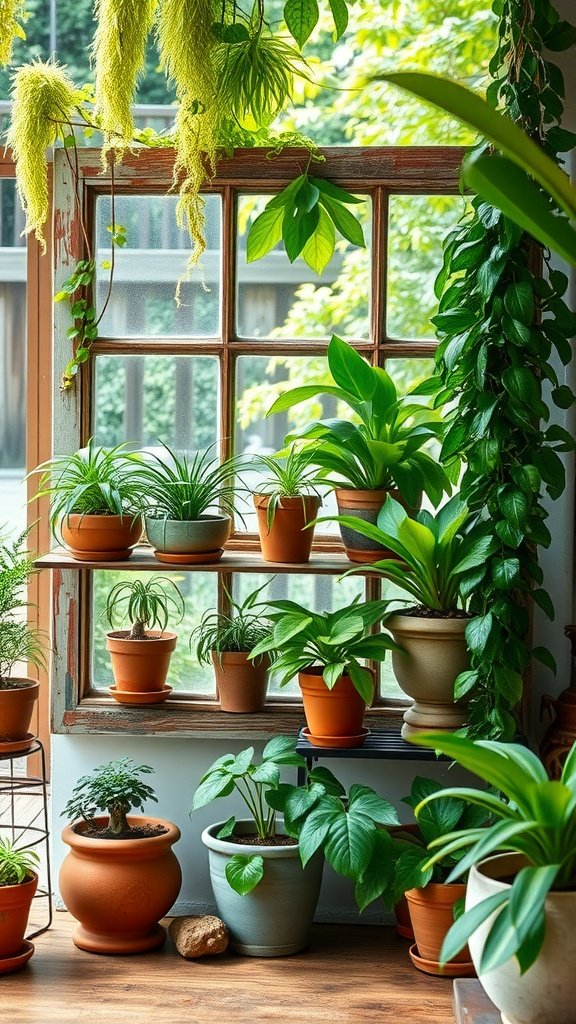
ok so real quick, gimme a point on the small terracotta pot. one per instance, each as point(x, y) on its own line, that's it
point(16, 708)
point(140, 666)
point(330, 713)
point(101, 538)
point(286, 540)
point(403, 920)
point(15, 903)
point(119, 889)
point(432, 915)
point(241, 684)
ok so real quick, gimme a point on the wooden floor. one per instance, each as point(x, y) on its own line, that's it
point(349, 975)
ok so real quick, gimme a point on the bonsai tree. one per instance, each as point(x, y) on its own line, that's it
point(18, 641)
point(240, 629)
point(115, 787)
point(145, 603)
point(16, 866)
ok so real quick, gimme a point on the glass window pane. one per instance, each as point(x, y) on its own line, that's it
point(280, 299)
point(407, 373)
point(417, 227)
point(12, 360)
point(199, 590)
point(146, 271)
point(147, 399)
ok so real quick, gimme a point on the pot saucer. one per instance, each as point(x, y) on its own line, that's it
point(148, 697)
point(336, 742)
point(17, 746)
point(16, 963)
point(100, 556)
point(450, 970)
point(191, 558)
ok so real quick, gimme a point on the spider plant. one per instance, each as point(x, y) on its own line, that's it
point(16, 866)
point(289, 476)
point(240, 629)
point(94, 481)
point(18, 641)
point(144, 603)
point(183, 487)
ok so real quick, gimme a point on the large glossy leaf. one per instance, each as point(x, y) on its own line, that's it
point(462, 929)
point(350, 370)
point(264, 233)
point(281, 750)
point(377, 878)
point(411, 870)
point(244, 872)
point(349, 844)
point(218, 783)
point(344, 221)
point(363, 800)
point(301, 17)
point(319, 248)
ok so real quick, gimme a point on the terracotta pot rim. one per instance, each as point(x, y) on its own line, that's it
point(290, 500)
point(371, 493)
point(153, 635)
point(101, 518)
point(240, 656)
point(29, 882)
point(437, 892)
point(87, 844)
point(30, 684)
point(267, 852)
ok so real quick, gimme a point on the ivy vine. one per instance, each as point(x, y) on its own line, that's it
point(502, 320)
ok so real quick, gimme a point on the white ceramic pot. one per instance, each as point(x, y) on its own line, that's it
point(434, 655)
point(546, 993)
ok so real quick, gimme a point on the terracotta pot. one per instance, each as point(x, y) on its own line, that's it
point(286, 540)
point(120, 888)
point(201, 536)
point(403, 920)
point(15, 903)
point(432, 915)
point(101, 538)
point(275, 918)
point(16, 708)
point(140, 666)
point(545, 993)
point(331, 714)
point(434, 655)
point(241, 684)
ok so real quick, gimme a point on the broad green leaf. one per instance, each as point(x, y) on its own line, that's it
point(281, 750)
point(332, 673)
point(514, 505)
point(241, 762)
point(378, 875)
point(411, 872)
point(462, 929)
point(301, 17)
point(349, 844)
point(344, 221)
point(350, 370)
point(505, 572)
point(509, 684)
point(267, 773)
point(286, 196)
point(297, 229)
point(519, 302)
point(363, 681)
point(264, 233)
point(244, 872)
point(339, 10)
point(364, 800)
point(319, 248)
point(335, 192)
point(218, 783)
point(478, 632)
point(290, 626)
point(227, 828)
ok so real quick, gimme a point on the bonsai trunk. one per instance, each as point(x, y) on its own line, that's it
point(118, 824)
point(137, 632)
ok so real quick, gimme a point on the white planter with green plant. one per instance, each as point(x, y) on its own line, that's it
point(521, 903)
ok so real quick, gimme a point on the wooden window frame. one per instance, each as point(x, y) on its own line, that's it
point(380, 173)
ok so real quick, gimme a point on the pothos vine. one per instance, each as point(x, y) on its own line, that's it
point(501, 323)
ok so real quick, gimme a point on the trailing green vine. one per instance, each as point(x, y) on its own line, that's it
point(500, 322)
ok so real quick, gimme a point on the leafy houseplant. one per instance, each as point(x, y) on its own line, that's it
point(180, 491)
point(520, 904)
point(283, 856)
point(95, 497)
point(18, 883)
point(380, 452)
point(19, 642)
point(323, 650)
point(435, 560)
point(141, 656)
point(224, 639)
point(120, 876)
point(286, 502)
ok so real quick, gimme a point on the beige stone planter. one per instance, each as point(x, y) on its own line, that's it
point(435, 654)
point(546, 993)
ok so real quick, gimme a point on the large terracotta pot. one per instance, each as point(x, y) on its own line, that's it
point(101, 538)
point(16, 708)
point(118, 889)
point(286, 540)
point(334, 717)
point(140, 666)
point(275, 918)
point(434, 654)
point(241, 684)
point(545, 994)
point(15, 903)
point(432, 915)
point(188, 541)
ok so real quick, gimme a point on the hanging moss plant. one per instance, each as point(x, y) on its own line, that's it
point(11, 18)
point(119, 51)
point(44, 99)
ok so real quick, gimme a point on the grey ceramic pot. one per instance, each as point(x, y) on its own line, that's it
point(275, 918)
point(208, 533)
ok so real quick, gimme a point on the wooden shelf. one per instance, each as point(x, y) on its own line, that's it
point(231, 561)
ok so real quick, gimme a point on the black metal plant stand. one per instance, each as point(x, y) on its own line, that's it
point(33, 833)
point(382, 744)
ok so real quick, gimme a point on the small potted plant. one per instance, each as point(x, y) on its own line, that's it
point(432, 901)
point(266, 870)
point(376, 452)
point(225, 639)
point(286, 502)
point(324, 650)
point(121, 875)
point(141, 655)
point(521, 893)
point(18, 884)
point(95, 501)
point(433, 557)
point(19, 642)
point(182, 492)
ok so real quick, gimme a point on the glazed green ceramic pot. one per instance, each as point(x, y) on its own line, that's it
point(275, 918)
point(194, 536)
